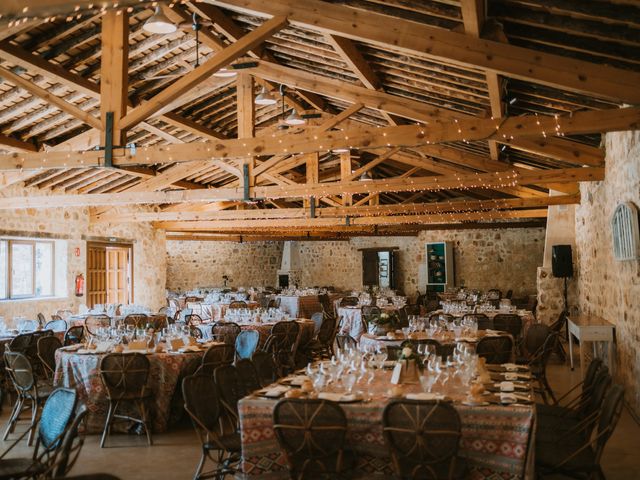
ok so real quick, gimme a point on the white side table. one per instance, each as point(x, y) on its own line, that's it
point(589, 328)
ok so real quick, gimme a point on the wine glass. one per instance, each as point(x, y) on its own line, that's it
point(349, 382)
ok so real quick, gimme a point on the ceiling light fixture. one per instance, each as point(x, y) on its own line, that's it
point(265, 98)
point(294, 119)
point(365, 177)
point(159, 23)
point(225, 72)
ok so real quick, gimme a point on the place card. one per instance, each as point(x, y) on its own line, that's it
point(273, 392)
point(137, 345)
point(396, 374)
point(176, 343)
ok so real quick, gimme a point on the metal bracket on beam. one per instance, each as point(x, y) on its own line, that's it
point(312, 207)
point(347, 220)
point(245, 177)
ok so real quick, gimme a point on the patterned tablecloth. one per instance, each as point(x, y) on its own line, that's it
point(351, 320)
point(495, 439)
point(80, 371)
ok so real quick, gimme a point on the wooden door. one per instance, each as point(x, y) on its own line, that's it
point(393, 269)
point(96, 275)
point(109, 278)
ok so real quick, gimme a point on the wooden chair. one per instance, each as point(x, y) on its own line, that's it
point(496, 350)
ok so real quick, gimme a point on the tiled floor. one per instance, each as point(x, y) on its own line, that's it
point(174, 455)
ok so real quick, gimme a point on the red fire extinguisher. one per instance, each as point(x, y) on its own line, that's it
point(79, 285)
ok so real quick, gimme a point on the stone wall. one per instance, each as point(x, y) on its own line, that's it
point(72, 225)
point(500, 258)
point(606, 287)
point(193, 264)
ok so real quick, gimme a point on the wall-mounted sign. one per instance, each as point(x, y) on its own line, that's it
point(76, 251)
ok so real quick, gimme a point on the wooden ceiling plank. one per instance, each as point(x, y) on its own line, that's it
point(428, 41)
point(16, 145)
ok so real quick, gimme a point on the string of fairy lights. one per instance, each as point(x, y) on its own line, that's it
point(457, 181)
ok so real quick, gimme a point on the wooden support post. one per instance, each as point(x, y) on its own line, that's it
point(114, 73)
point(313, 174)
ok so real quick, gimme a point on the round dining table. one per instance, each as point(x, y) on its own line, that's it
point(80, 370)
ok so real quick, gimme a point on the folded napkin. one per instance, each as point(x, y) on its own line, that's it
point(274, 392)
point(189, 348)
point(506, 386)
point(295, 380)
point(511, 376)
point(424, 396)
point(512, 367)
point(513, 398)
point(338, 397)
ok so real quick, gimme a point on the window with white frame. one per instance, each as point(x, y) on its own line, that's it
point(27, 268)
point(624, 224)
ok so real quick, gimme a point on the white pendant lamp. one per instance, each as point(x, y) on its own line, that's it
point(159, 23)
point(365, 177)
point(225, 72)
point(294, 119)
point(265, 98)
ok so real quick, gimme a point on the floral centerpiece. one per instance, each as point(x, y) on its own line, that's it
point(383, 323)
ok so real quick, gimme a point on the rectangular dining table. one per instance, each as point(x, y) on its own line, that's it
point(497, 441)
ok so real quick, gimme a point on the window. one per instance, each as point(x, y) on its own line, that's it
point(625, 232)
point(26, 268)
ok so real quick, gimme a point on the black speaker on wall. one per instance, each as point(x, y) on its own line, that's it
point(561, 261)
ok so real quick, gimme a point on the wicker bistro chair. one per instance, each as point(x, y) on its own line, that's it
point(41, 318)
point(203, 404)
point(231, 391)
point(441, 316)
point(56, 325)
point(349, 301)
point(47, 347)
point(368, 313)
point(32, 352)
point(247, 376)
point(282, 343)
point(247, 343)
point(74, 335)
point(265, 368)
point(226, 332)
point(20, 343)
point(124, 377)
point(533, 342)
point(322, 345)
point(510, 323)
point(496, 350)
point(27, 389)
point(312, 433)
point(193, 319)
point(327, 306)
point(484, 322)
point(57, 445)
point(423, 437)
point(345, 342)
point(237, 304)
point(93, 322)
point(214, 357)
point(577, 456)
point(317, 319)
point(138, 320)
point(538, 366)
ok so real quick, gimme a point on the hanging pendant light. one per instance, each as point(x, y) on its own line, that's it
point(159, 23)
point(265, 98)
point(365, 177)
point(294, 119)
point(225, 72)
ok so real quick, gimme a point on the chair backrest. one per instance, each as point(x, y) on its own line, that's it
point(247, 376)
point(202, 402)
point(312, 432)
point(508, 322)
point(601, 384)
point(327, 330)
point(441, 316)
point(64, 314)
point(285, 335)
point(370, 311)
point(495, 350)
point(225, 332)
point(138, 320)
point(32, 349)
point(423, 436)
point(349, 301)
point(47, 347)
point(484, 322)
point(246, 343)
point(237, 304)
point(214, 357)
point(589, 378)
point(196, 331)
point(124, 375)
point(609, 416)
point(345, 341)
point(74, 335)
point(534, 338)
point(20, 343)
point(20, 371)
point(317, 319)
point(265, 368)
point(325, 302)
point(93, 322)
point(411, 309)
point(41, 319)
point(226, 377)
point(193, 319)
point(57, 325)
point(57, 414)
